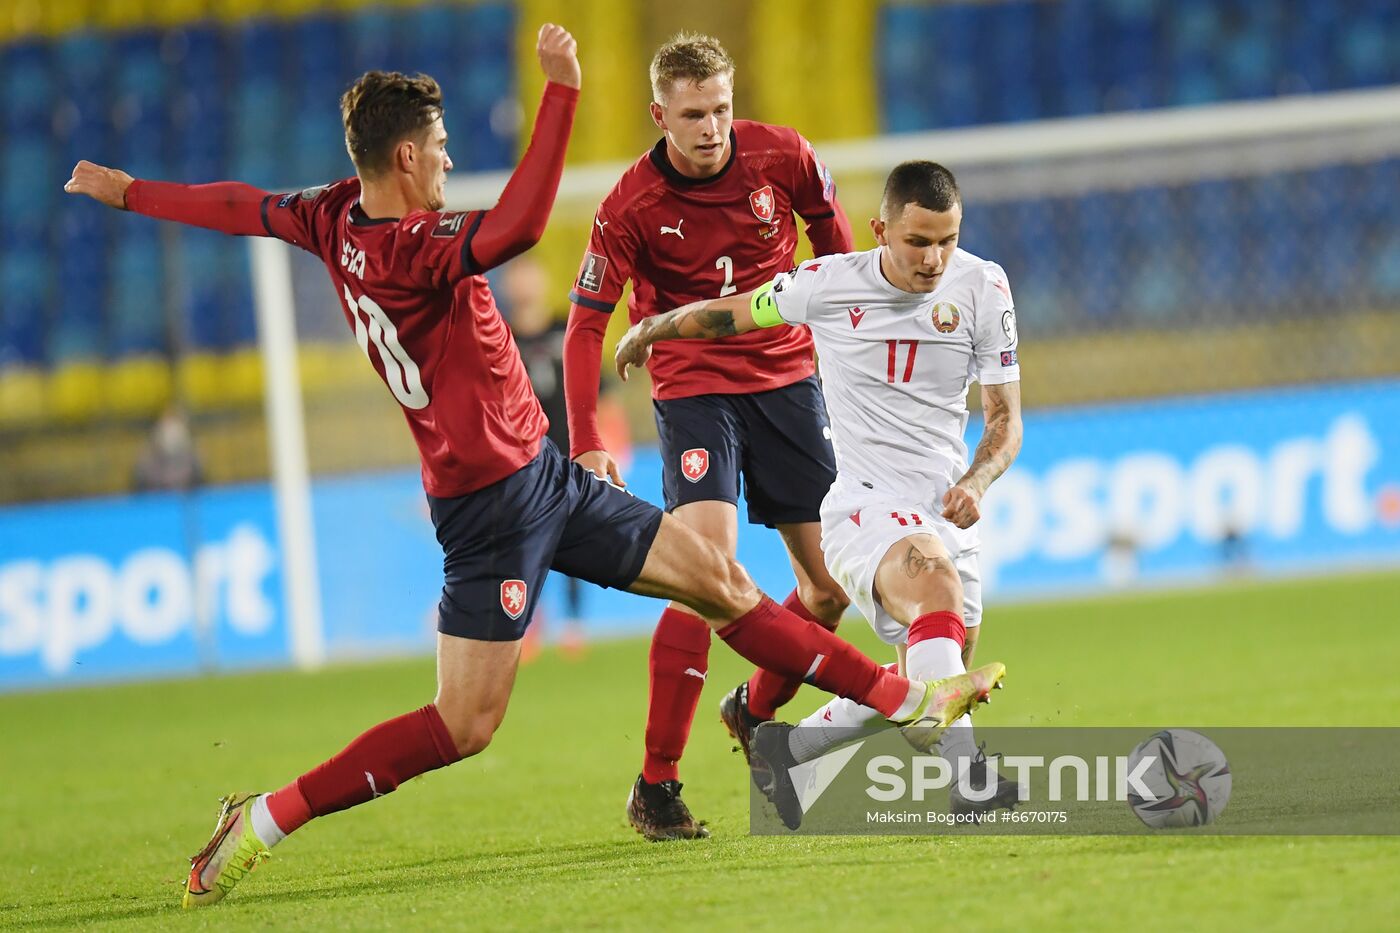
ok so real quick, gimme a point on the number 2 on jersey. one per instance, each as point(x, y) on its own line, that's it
point(400, 372)
point(894, 346)
point(727, 264)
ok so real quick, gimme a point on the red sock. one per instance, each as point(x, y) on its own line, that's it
point(773, 638)
point(942, 624)
point(767, 690)
point(373, 765)
point(680, 658)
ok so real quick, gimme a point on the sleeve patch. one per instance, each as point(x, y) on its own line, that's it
point(311, 194)
point(286, 200)
point(1008, 325)
point(824, 173)
point(590, 277)
point(449, 225)
point(1008, 357)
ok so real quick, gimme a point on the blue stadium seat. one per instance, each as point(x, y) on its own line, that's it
point(82, 236)
point(373, 40)
point(25, 281)
point(1008, 81)
point(261, 105)
point(1134, 54)
point(1072, 59)
point(140, 105)
point(136, 294)
point(200, 117)
point(903, 54)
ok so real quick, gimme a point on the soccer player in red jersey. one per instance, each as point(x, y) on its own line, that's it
point(708, 212)
point(507, 505)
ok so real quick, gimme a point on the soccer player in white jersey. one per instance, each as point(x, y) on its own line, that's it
point(901, 332)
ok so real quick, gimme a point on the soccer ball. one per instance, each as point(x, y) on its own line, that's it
point(1188, 776)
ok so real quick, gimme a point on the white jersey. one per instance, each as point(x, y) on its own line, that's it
point(896, 366)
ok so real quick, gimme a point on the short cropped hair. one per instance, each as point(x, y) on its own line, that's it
point(690, 56)
point(381, 110)
point(926, 184)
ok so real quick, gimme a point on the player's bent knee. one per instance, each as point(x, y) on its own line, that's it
point(472, 736)
point(731, 592)
point(826, 603)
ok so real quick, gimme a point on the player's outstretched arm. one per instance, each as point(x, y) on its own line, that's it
point(518, 220)
point(1001, 442)
point(226, 206)
point(700, 320)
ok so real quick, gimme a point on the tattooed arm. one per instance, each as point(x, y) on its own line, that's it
point(702, 320)
point(1001, 441)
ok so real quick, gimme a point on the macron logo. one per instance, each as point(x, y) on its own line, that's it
point(857, 314)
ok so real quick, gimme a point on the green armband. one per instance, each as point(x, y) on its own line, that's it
point(764, 309)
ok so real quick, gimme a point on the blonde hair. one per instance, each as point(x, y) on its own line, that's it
point(690, 56)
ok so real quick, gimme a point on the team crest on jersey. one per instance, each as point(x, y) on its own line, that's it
point(513, 597)
point(449, 225)
point(695, 463)
point(765, 208)
point(946, 317)
point(590, 277)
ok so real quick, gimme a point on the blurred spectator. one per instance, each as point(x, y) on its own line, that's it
point(170, 460)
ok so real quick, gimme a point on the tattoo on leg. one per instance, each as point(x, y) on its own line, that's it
point(915, 563)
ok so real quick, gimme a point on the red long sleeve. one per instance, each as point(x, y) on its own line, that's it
point(583, 353)
point(831, 235)
point(226, 206)
point(518, 220)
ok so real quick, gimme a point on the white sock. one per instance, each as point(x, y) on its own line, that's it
point(264, 825)
point(931, 659)
point(838, 722)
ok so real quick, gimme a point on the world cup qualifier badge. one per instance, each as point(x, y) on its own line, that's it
point(513, 597)
point(946, 317)
point(763, 205)
point(695, 463)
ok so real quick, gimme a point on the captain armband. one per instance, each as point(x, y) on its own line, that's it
point(763, 308)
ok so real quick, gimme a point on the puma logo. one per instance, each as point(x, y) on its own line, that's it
point(676, 229)
point(600, 224)
point(694, 673)
point(372, 789)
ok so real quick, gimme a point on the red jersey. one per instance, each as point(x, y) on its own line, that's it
point(426, 319)
point(412, 290)
point(682, 239)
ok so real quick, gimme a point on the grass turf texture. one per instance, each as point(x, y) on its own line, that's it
point(106, 790)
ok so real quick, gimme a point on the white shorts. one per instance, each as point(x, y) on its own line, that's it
point(857, 531)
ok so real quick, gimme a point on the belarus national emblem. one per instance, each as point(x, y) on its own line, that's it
point(695, 463)
point(513, 597)
point(945, 317)
point(764, 207)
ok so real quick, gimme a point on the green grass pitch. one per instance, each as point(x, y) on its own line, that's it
point(105, 791)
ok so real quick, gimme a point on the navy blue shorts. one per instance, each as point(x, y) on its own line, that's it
point(499, 543)
point(779, 441)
